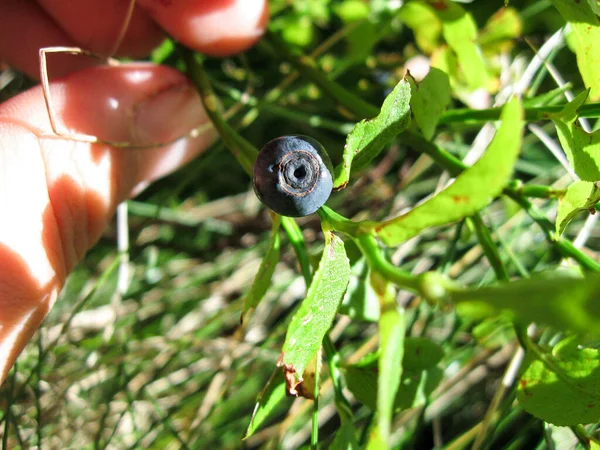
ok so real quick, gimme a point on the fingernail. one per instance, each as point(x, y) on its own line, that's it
point(168, 115)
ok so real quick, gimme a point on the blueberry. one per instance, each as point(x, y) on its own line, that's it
point(292, 175)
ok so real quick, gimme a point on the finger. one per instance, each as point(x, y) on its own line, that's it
point(97, 25)
point(213, 27)
point(24, 29)
point(56, 195)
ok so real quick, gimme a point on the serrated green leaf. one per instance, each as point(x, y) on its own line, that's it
point(585, 26)
point(565, 390)
point(582, 148)
point(262, 281)
point(429, 99)
point(473, 189)
point(272, 395)
point(317, 311)
point(580, 196)
point(558, 299)
point(460, 32)
point(368, 137)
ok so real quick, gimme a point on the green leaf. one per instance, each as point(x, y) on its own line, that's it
point(501, 30)
point(424, 23)
point(460, 32)
point(594, 6)
point(262, 281)
point(392, 326)
point(563, 388)
point(368, 137)
point(421, 354)
point(582, 148)
point(494, 333)
point(298, 30)
point(558, 299)
point(360, 301)
point(352, 10)
point(317, 311)
point(420, 376)
point(345, 438)
point(580, 196)
point(473, 189)
point(585, 26)
point(429, 100)
point(271, 396)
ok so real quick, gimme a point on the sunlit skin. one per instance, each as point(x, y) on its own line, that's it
point(58, 195)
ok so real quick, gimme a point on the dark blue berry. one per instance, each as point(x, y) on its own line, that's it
point(292, 175)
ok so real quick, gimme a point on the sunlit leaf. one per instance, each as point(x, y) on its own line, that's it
point(582, 148)
point(563, 388)
point(429, 99)
point(585, 25)
point(351, 10)
point(473, 189)
point(460, 32)
point(317, 311)
point(580, 196)
point(424, 23)
point(368, 137)
point(501, 30)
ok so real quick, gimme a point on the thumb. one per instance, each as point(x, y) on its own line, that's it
point(57, 195)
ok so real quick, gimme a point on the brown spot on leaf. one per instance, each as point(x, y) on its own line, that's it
point(339, 188)
point(440, 5)
point(289, 372)
point(460, 199)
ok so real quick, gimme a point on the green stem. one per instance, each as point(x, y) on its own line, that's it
point(297, 240)
point(333, 361)
point(489, 247)
point(312, 120)
point(308, 67)
point(369, 247)
point(532, 114)
point(243, 151)
point(314, 433)
point(582, 436)
point(454, 166)
point(564, 246)
point(534, 190)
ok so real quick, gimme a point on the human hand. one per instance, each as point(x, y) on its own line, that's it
point(57, 195)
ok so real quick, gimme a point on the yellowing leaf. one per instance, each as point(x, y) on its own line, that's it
point(585, 25)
